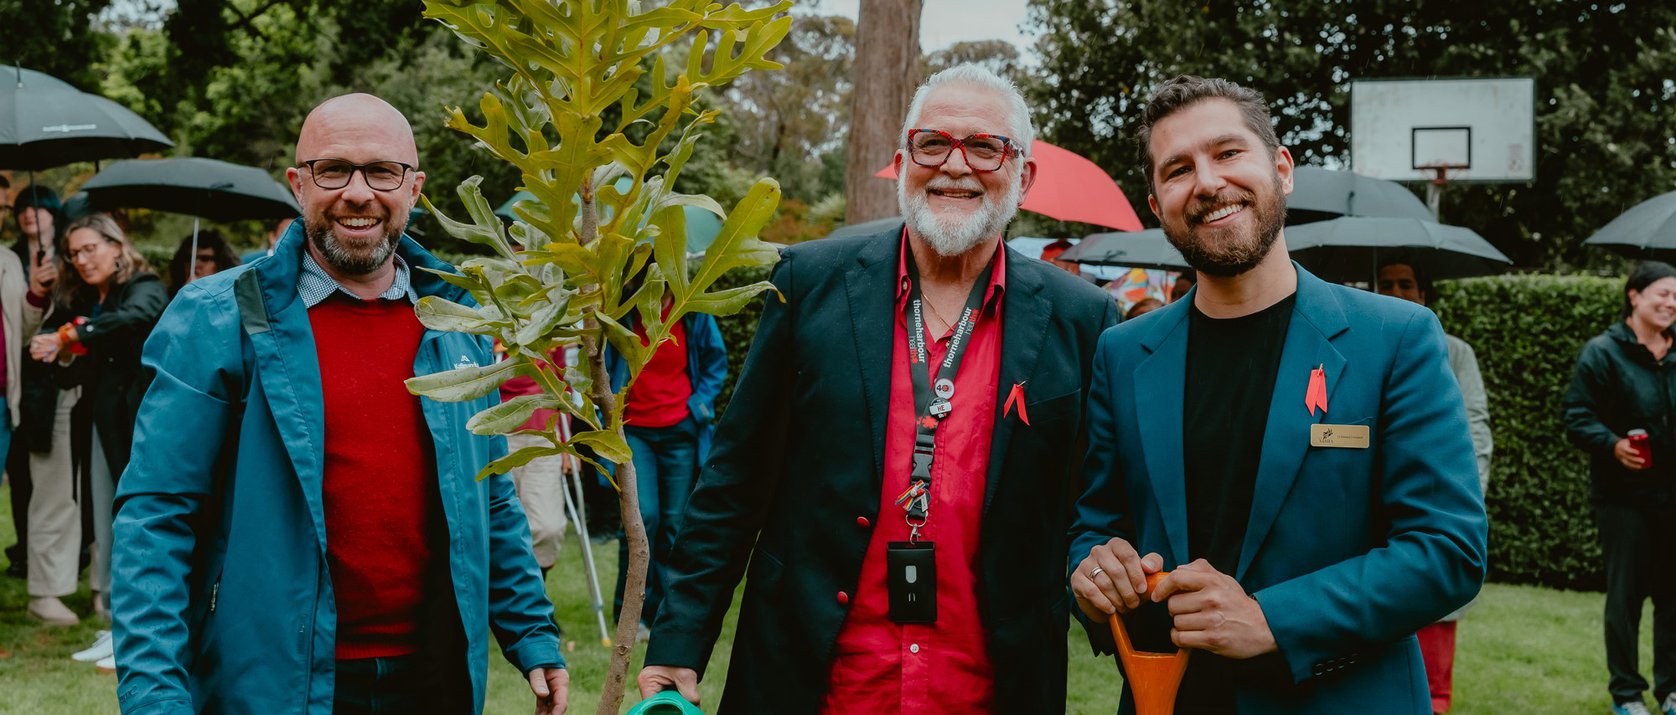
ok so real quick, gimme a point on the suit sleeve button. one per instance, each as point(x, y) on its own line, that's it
point(862, 522)
point(843, 598)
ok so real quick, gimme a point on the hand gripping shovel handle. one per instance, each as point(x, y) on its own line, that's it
point(1153, 678)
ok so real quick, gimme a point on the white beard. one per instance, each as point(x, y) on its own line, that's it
point(955, 235)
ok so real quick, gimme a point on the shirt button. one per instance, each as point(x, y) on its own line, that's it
point(843, 598)
point(862, 522)
point(913, 648)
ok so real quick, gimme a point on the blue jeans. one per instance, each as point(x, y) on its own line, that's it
point(665, 468)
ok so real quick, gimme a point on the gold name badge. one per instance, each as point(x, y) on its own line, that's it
point(1345, 436)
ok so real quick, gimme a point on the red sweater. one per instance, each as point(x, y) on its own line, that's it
point(383, 519)
point(659, 396)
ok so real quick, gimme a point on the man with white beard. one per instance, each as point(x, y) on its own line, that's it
point(898, 458)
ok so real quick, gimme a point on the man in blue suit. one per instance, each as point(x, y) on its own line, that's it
point(1295, 453)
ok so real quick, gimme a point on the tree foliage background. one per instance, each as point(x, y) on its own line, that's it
point(1605, 78)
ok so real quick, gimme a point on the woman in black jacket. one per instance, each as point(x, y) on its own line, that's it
point(106, 305)
point(1625, 381)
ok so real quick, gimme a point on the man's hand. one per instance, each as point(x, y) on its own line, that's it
point(654, 679)
point(1111, 579)
point(552, 690)
point(1213, 613)
point(1627, 456)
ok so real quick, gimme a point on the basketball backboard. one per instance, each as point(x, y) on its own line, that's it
point(1483, 130)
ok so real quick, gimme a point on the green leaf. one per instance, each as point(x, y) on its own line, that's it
point(439, 314)
point(466, 383)
point(511, 414)
point(731, 300)
point(519, 458)
point(605, 443)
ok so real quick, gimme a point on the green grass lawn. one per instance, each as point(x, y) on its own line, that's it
point(1522, 650)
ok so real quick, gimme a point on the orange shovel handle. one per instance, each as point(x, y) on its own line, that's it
point(1154, 678)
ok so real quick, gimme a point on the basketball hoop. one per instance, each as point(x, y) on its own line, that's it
point(1439, 171)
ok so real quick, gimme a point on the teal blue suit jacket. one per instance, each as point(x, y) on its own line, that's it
point(1348, 551)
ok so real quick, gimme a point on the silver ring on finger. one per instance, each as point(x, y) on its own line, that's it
point(1095, 572)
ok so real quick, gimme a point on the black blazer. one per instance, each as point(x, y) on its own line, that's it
point(799, 455)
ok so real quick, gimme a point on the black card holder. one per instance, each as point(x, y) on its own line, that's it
point(912, 578)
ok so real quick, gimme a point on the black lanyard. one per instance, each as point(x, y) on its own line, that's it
point(932, 399)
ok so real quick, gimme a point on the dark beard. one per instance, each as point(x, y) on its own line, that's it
point(1231, 258)
point(346, 261)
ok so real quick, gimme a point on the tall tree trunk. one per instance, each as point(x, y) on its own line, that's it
point(634, 530)
point(885, 74)
point(628, 495)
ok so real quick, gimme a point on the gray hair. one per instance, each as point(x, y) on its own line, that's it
point(1019, 129)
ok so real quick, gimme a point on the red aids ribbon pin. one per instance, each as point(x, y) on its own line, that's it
point(1016, 396)
point(1316, 395)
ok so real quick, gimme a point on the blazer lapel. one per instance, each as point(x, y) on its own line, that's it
point(1160, 385)
point(1316, 318)
point(1024, 320)
point(870, 292)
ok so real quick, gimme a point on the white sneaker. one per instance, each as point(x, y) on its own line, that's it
point(53, 611)
point(106, 664)
point(101, 649)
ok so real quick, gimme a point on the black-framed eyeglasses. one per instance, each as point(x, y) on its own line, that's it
point(333, 174)
point(931, 148)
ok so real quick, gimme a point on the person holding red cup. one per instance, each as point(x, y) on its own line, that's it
point(1621, 410)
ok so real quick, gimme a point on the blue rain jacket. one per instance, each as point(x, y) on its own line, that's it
point(223, 597)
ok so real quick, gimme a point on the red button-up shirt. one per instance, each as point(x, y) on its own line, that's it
point(879, 666)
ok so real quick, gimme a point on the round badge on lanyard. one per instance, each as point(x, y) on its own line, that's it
point(940, 408)
point(944, 388)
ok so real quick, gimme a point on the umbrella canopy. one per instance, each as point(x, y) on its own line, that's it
point(702, 226)
point(1646, 231)
point(208, 188)
point(1136, 249)
point(45, 122)
point(1070, 188)
point(1351, 248)
point(1320, 194)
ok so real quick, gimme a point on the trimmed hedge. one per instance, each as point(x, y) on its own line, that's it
point(1527, 331)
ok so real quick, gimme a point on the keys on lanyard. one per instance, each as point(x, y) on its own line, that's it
point(932, 397)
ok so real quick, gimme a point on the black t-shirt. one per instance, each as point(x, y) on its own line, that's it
point(1231, 366)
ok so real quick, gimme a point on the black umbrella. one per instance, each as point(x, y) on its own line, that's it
point(208, 188)
point(1321, 194)
point(205, 188)
point(45, 122)
point(1351, 248)
point(1647, 231)
point(1134, 249)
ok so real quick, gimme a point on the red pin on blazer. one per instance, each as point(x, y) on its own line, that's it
point(1016, 396)
point(1316, 395)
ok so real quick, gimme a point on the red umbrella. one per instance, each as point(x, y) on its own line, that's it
point(1070, 188)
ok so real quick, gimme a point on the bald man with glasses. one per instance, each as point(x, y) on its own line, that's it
point(296, 532)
